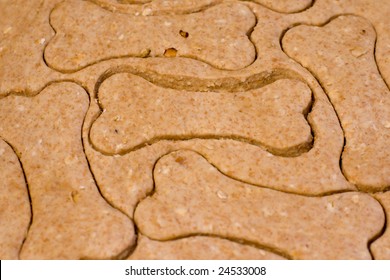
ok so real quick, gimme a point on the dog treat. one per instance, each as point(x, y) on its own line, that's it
point(183, 129)
point(376, 12)
point(348, 72)
point(192, 197)
point(71, 219)
point(198, 248)
point(106, 35)
point(15, 213)
point(137, 113)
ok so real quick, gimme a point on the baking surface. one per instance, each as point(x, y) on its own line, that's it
point(158, 129)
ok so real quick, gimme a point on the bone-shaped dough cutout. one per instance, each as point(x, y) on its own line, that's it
point(15, 213)
point(193, 197)
point(341, 56)
point(137, 112)
point(198, 248)
point(70, 218)
point(185, 6)
point(87, 34)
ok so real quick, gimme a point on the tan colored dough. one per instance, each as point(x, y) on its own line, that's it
point(137, 113)
point(105, 35)
point(24, 33)
point(380, 248)
point(192, 197)
point(286, 6)
point(198, 248)
point(377, 12)
point(340, 55)
point(154, 7)
point(15, 212)
point(157, 7)
point(127, 179)
point(315, 172)
point(71, 220)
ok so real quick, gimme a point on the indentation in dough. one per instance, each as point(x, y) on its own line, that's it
point(137, 112)
point(286, 6)
point(186, 6)
point(198, 248)
point(341, 56)
point(380, 248)
point(192, 197)
point(15, 211)
point(87, 34)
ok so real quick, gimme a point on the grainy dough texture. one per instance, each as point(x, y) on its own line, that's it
point(132, 119)
point(352, 81)
point(198, 248)
point(15, 214)
point(83, 40)
point(187, 186)
point(210, 129)
point(70, 218)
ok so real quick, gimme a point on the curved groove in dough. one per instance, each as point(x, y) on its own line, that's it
point(15, 207)
point(160, 7)
point(200, 247)
point(380, 246)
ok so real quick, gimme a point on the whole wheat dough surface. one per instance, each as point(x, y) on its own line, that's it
point(282, 103)
point(192, 196)
point(198, 248)
point(15, 212)
point(354, 85)
point(70, 218)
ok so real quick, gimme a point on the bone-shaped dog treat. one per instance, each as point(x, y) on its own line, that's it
point(87, 34)
point(192, 197)
point(70, 218)
point(136, 113)
point(198, 248)
point(340, 54)
point(15, 214)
